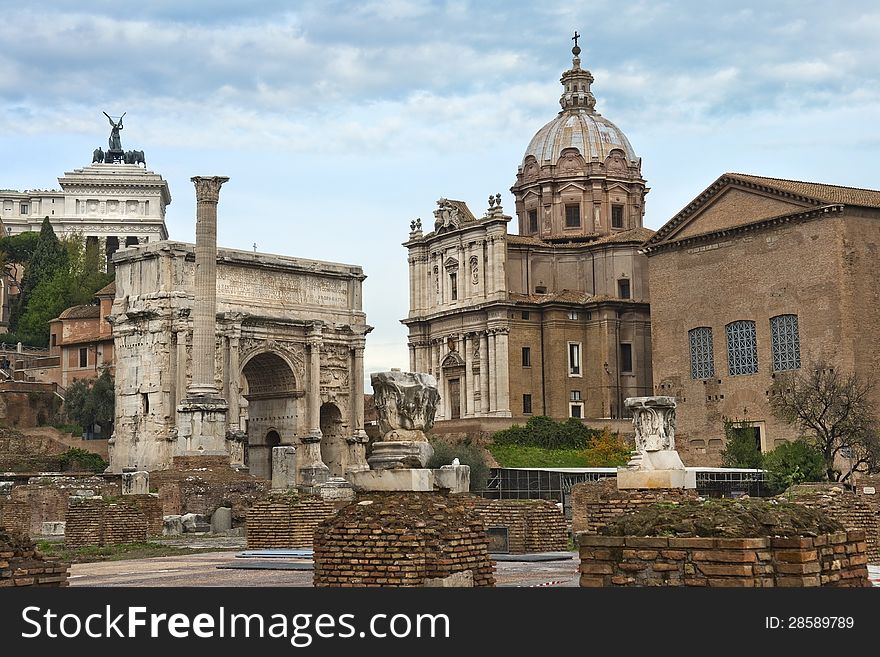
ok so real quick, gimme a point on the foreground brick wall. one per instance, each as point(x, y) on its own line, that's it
point(95, 521)
point(401, 540)
point(827, 560)
point(532, 525)
point(595, 504)
point(286, 521)
point(15, 517)
point(21, 564)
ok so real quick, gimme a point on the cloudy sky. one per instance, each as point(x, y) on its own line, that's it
point(339, 122)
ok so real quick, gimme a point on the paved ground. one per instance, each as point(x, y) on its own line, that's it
point(202, 570)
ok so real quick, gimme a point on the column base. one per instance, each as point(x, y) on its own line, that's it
point(390, 455)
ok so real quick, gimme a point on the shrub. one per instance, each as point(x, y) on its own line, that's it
point(607, 450)
point(541, 431)
point(793, 463)
point(467, 454)
point(79, 459)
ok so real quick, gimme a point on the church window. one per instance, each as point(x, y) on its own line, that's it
point(527, 404)
point(576, 409)
point(83, 357)
point(573, 315)
point(525, 314)
point(742, 347)
point(617, 216)
point(24, 208)
point(54, 339)
point(786, 342)
point(575, 395)
point(453, 286)
point(702, 354)
point(572, 216)
point(526, 356)
point(574, 358)
point(623, 288)
point(533, 221)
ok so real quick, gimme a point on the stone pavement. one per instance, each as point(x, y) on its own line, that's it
point(204, 570)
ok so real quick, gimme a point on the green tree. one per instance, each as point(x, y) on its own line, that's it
point(47, 259)
point(91, 401)
point(740, 445)
point(833, 411)
point(792, 463)
point(542, 431)
point(607, 450)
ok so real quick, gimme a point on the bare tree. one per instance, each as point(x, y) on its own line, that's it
point(833, 411)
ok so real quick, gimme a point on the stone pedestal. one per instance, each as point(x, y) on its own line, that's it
point(452, 478)
point(400, 454)
point(135, 483)
point(283, 467)
point(656, 463)
point(337, 489)
point(235, 446)
point(357, 452)
point(312, 470)
point(201, 427)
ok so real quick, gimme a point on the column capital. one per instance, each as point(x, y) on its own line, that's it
point(208, 188)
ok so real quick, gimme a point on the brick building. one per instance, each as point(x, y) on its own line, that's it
point(82, 338)
point(553, 320)
point(758, 276)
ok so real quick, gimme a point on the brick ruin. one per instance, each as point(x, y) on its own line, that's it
point(402, 540)
point(15, 516)
point(532, 525)
point(97, 521)
point(202, 484)
point(849, 509)
point(287, 521)
point(21, 564)
point(837, 559)
point(47, 496)
point(596, 504)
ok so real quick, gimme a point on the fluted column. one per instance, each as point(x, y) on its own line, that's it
point(493, 377)
point(484, 374)
point(502, 367)
point(469, 375)
point(204, 319)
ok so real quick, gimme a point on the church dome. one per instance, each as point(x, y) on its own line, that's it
point(578, 125)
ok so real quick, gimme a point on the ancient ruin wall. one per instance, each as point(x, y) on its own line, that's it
point(21, 564)
point(47, 497)
point(837, 559)
point(15, 517)
point(286, 521)
point(595, 504)
point(401, 540)
point(532, 525)
point(95, 521)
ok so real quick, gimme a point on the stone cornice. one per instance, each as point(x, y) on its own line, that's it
point(650, 248)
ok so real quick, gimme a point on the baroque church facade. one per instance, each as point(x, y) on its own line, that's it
point(553, 319)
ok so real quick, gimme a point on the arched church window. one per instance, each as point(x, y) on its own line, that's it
point(742, 347)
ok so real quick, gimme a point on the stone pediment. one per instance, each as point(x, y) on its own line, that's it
point(452, 359)
point(731, 202)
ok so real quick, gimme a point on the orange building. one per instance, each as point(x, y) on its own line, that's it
point(82, 338)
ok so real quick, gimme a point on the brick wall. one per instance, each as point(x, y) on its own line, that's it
point(95, 521)
point(286, 521)
point(15, 517)
point(532, 525)
point(400, 540)
point(838, 559)
point(21, 564)
point(201, 484)
point(850, 510)
point(594, 504)
point(47, 497)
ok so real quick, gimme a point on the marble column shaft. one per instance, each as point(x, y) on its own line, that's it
point(205, 311)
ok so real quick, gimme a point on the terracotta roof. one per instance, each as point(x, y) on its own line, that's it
point(639, 235)
point(108, 290)
point(87, 311)
point(817, 191)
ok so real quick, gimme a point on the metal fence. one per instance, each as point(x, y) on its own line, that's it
point(555, 484)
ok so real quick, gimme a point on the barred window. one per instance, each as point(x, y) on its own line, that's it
point(742, 347)
point(702, 354)
point(786, 342)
